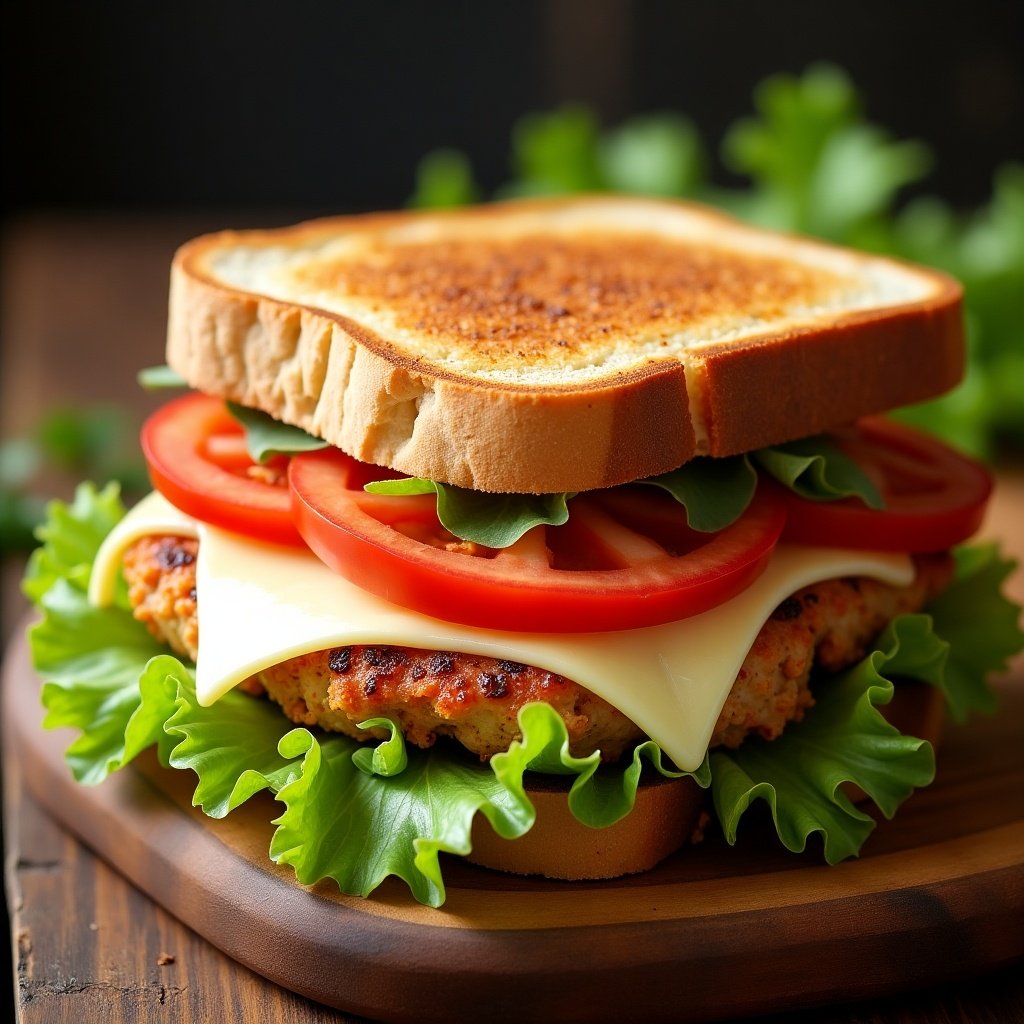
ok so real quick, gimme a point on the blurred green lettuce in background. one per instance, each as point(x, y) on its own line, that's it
point(97, 443)
point(813, 164)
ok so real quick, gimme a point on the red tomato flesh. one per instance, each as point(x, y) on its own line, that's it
point(196, 455)
point(625, 559)
point(934, 496)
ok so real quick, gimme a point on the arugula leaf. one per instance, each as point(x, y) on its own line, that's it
point(157, 378)
point(266, 437)
point(494, 520)
point(714, 492)
point(815, 468)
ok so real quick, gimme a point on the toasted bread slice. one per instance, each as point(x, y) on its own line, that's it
point(556, 345)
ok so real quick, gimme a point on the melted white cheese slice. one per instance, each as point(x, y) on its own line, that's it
point(260, 604)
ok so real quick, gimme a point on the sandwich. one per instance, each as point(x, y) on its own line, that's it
point(550, 534)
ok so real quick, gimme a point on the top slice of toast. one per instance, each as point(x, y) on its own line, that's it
point(556, 345)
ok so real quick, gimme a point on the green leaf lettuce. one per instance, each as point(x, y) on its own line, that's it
point(358, 813)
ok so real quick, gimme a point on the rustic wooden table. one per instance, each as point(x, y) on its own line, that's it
point(83, 308)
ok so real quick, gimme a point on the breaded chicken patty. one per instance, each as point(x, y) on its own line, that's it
point(476, 699)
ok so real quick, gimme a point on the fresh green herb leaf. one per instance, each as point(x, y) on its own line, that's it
point(715, 492)
point(494, 520)
point(815, 468)
point(157, 378)
point(817, 166)
point(266, 437)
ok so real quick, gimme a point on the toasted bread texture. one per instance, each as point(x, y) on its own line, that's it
point(556, 345)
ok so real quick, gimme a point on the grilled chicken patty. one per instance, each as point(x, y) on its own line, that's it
point(476, 699)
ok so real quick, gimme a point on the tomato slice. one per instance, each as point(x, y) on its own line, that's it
point(934, 497)
point(197, 459)
point(625, 559)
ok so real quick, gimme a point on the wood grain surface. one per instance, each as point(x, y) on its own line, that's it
point(91, 945)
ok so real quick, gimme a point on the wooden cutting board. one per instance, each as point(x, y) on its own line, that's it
point(714, 932)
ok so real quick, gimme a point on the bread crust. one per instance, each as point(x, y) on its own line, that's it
point(668, 813)
point(383, 402)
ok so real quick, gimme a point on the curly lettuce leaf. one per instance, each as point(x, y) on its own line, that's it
point(386, 758)
point(70, 536)
point(358, 827)
point(232, 746)
point(91, 659)
point(981, 625)
point(340, 822)
point(358, 813)
point(599, 796)
point(843, 739)
point(970, 632)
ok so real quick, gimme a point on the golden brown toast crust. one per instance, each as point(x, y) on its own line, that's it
point(559, 344)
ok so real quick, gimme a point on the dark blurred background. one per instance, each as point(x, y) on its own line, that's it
point(328, 106)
